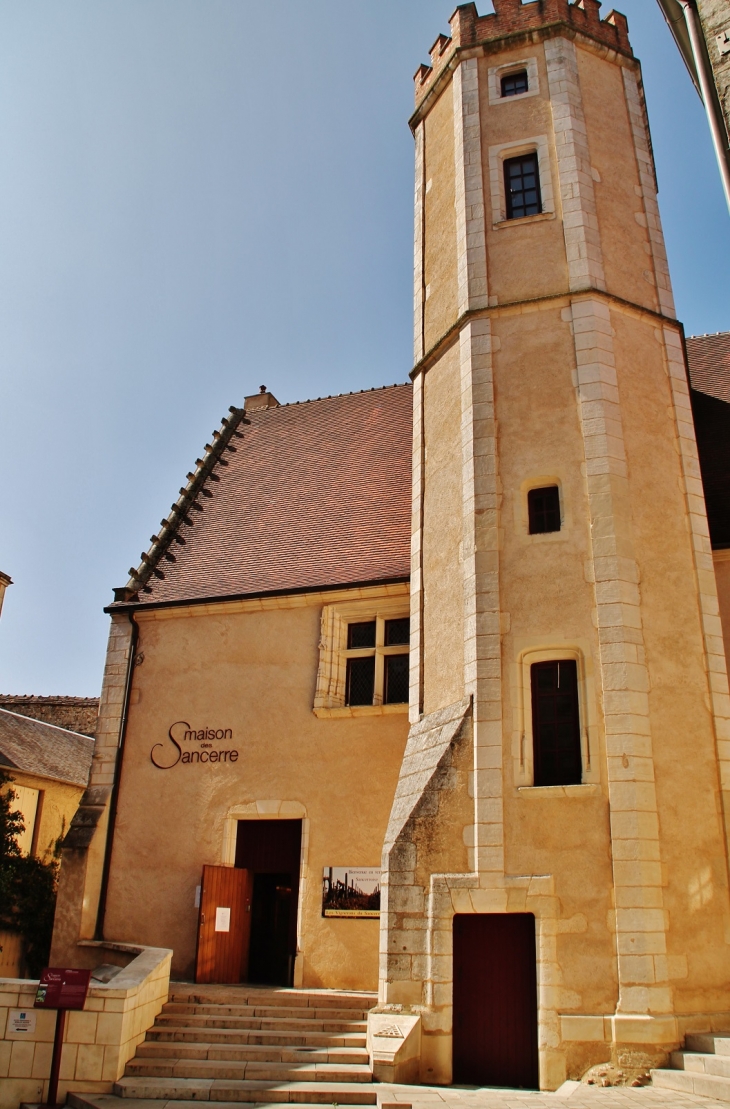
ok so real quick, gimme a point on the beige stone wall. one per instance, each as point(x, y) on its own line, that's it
point(57, 806)
point(439, 270)
point(98, 1041)
point(570, 372)
point(443, 682)
point(252, 668)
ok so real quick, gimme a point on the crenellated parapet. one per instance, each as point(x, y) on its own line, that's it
point(513, 18)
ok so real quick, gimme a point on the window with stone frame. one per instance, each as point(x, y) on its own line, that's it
point(377, 663)
point(522, 186)
point(514, 84)
point(556, 723)
point(364, 658)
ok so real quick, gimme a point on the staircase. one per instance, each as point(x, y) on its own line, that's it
point(249, 1044)
point(702, 1069)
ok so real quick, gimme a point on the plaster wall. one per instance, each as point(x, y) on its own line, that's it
point(253, 672)
point(57, 805)
point(439, 270)
point(442, 573)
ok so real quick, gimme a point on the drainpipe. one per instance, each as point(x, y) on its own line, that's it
point(99, 931)
point(709, 96)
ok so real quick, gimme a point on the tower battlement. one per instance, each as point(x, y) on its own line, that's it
point(511, 17)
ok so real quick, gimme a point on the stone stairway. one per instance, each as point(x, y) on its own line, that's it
point(703, 1068)
point(249, 1044)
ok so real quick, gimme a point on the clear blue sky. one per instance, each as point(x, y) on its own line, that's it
point(200, 197)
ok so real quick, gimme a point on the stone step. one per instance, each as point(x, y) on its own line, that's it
point(303, 1093)
point(271, 1053)
point(278, 1012)
point(260, 995)
point(259, 1070)
point(692, 1082)
point(712, 1043)
point(168, 1020)
point(701, 1063)
point(279, 1037)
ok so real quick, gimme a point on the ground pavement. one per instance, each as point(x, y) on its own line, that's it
point(571, 1095)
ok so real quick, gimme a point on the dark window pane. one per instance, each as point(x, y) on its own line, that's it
point(361, 635)
point(360, 681)
point(514, 83)
point(522, 186)
point(555, 723)
point(397, 632)
point(543, 509)
point(396, 679)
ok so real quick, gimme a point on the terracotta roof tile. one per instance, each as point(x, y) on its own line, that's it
point(709, 364)
point(315, 495)
point(43, 749)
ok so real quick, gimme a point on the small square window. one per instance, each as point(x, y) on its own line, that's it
point(543, 510)
point(397, 632)
point(514, 83)
point(361, 635)
point(522, 186)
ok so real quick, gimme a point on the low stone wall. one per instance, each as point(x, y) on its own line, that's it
point(98, 1042)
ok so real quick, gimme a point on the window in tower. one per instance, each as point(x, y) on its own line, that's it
point(556, 723)
point(513, 84)
point(543, 510)
point(522, 186)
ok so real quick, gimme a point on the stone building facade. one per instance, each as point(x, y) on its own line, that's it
point(543, 520)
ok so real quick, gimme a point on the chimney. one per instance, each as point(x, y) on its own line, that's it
point(262, 399)
point(5, 581)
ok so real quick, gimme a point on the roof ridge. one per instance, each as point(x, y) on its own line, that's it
point(43, 697)
point(46, 724)
point(709, 335)
point(338, 396)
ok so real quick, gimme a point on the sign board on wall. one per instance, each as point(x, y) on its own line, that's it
point(351, 891)
point(21, 1021)
point(190, 746)
point(62, 988)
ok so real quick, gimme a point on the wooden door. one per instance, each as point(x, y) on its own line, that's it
point(224, 927)
point(495, 1000)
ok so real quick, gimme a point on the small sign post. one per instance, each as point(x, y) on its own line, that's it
point(60, 989)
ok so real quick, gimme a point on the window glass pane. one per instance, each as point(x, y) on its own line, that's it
point(361, 635)
point(360, 681)
point(514, 83)
point(543, 509)
point(397, 632)
point(396, 679)
point(555, 723)
point(522, 186)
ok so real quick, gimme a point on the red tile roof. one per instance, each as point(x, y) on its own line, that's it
point(709, 364)
point(314, 495)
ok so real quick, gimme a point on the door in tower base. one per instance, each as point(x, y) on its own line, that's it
point(495, 1000)
point(224, 924)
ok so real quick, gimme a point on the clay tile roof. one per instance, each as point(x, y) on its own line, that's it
point(314, 495)
point(709, 364)
point(38, 748)
point(709, 370)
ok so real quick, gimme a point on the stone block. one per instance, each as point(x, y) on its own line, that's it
point(81, 1028)
point(89, 1061)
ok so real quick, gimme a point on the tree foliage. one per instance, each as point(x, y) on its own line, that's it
point(27, 886)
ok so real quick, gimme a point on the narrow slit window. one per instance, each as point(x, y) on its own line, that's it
point(543, 510)
point(556, 723)
point(514, 83)
point(522, 186)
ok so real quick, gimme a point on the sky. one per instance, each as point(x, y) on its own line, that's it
point(198, 197)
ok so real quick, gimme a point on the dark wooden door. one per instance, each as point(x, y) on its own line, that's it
point(224, 927)
point(495, 1000)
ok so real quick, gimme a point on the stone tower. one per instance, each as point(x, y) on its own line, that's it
point(559, 528)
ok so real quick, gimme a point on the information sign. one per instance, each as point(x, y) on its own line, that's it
point(62, 988)
point(21, 1021)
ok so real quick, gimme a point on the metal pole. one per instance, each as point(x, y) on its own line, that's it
point(717, 123)
point(56, 1060)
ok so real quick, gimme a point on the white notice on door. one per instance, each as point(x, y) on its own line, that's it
point(222, 919)
point(21, 1020)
